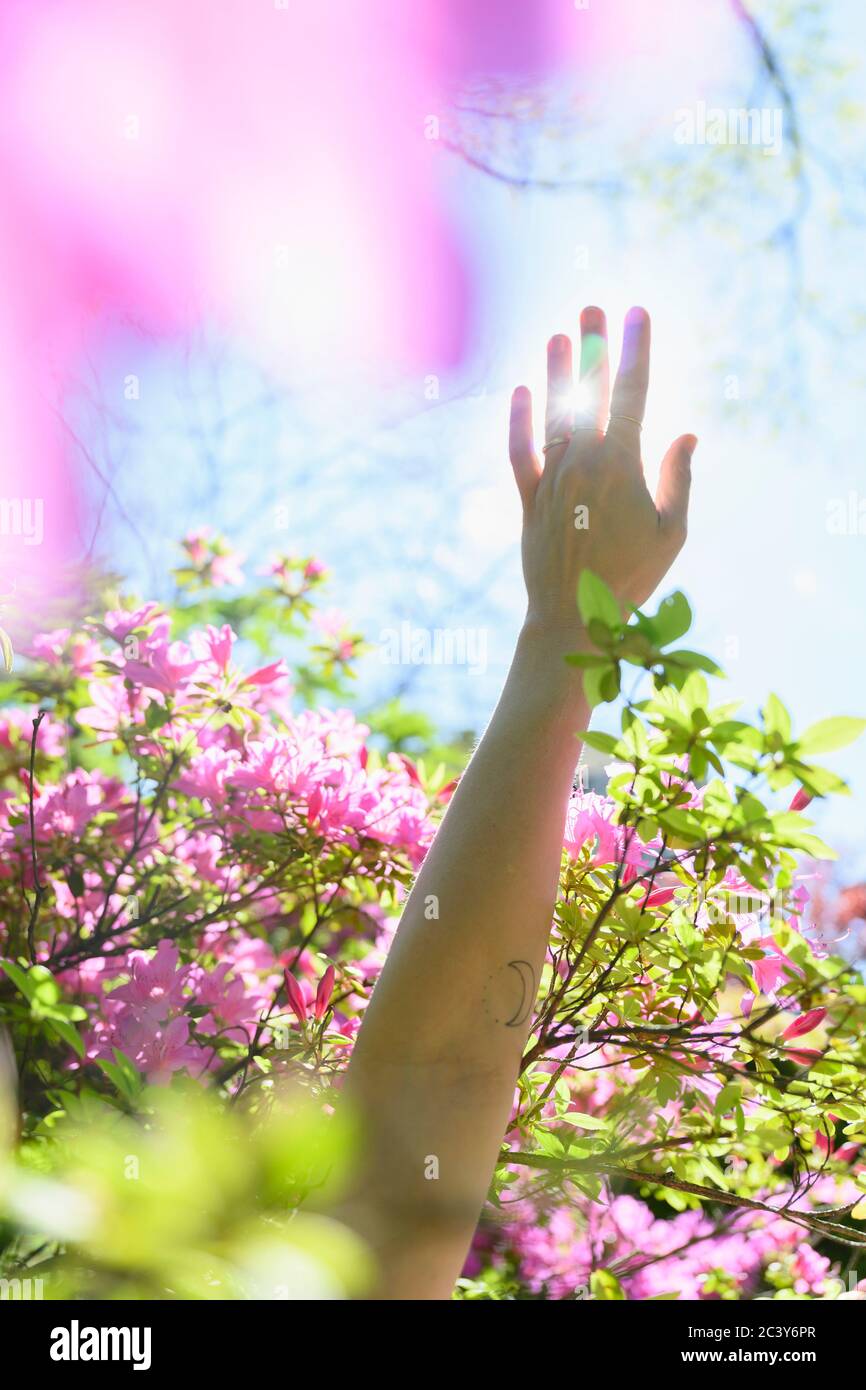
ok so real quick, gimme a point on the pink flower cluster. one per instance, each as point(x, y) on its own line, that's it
point(282, 771)
point(147, 1016)
point(16, 732)
point(248, 819)
point(690, 1255)
point(248, 781)
point(311, 777)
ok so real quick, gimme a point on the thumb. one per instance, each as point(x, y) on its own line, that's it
point(675, 480)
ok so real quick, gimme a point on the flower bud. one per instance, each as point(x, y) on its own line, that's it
point(297, 1003)
point(324, 992)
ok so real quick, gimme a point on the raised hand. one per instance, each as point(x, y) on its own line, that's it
point(587, 506)
point(435, 1063)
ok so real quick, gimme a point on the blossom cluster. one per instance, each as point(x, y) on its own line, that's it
point(209, 858)
point(167, 895)
point(690, 1254)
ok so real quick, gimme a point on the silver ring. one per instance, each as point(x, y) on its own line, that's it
point(631, 419)
point(557, 439)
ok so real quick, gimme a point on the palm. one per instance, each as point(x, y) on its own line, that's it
point(588, 506)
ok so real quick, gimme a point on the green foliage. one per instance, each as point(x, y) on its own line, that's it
point(693, 1044)
point(680, 961)
point(188, 1197)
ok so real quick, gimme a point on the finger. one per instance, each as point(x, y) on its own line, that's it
point(675, 480)
point(632, 379)
point(521, 450)
point(559, 414)
point(594, 388)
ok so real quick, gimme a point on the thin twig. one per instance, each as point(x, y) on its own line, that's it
point(38, 887)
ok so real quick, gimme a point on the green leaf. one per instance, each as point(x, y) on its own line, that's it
point(810, 844)
point(75, 879)
point(820, 781)
point(777, 718)
point(693, 661)
point(17, 976)
point(605, 1285)
point(122, 1074)
point(830, 734)
point(596, 602)
point(113, 1072)
point(599, 633)
point(156, 715)
point(549, 1145)
point(772, 1139)
point(43, 989)
point(695, 692)
point(666, 1088)
point(634, 734)
point(635, 646)
point(735, 731)
point(672, 619)
point(601, 685)
point(126, 1065)
point(586, 660)
point(610, 683)
point(728, 1097)
point(582, 1121)
point(683, 825)
point(604, 743)
point(69, 1035)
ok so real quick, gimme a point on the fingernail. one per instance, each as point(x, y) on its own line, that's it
point(691, 443)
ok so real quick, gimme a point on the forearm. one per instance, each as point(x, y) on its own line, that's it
point(438, 1052)
point(437, 1056)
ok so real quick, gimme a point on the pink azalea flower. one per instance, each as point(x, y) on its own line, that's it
point(61, 645)
point(219, 646)
point(330, 621)
point(266, 675)
point(226, 570)
point(195, 546)
point(168, 1051)
point(156, 984)
point(16, 733)
point(167, 669)
point(660, 897)
point(122, 623)
point(67, 808)
point(114, 707)
point(769, 974)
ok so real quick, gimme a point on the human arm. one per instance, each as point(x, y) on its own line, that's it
point(438, 1053)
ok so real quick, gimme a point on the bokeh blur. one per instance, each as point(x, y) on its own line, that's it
point(273, 268)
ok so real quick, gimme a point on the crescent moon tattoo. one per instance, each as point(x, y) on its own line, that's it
point(527, 998)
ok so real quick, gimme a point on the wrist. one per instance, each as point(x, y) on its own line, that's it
point(540, 665)
point(553, 641)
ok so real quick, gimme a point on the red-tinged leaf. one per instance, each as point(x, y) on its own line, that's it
point(805, 1023)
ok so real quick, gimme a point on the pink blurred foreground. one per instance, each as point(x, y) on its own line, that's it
point(266, 167)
